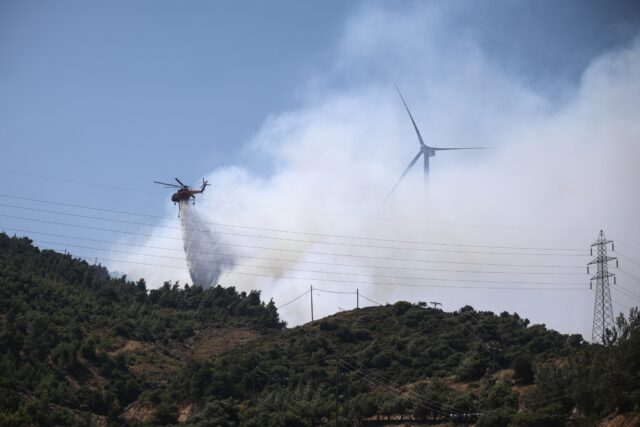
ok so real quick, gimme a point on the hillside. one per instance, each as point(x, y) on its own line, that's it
point(78, 345)
point(81, 348)
point(393, 361)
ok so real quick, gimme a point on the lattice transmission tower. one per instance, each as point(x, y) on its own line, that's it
point(602, 308)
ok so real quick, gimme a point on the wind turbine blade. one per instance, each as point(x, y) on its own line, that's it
point(460, 148)
point(410, 116)
point(406, 171)
point(180, 182)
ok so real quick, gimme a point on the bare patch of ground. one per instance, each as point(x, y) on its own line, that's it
point(138, 411)
point(212, 342)
point(185, 412)
point(630, 419)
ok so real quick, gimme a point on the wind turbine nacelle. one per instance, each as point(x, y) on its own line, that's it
point(428, 151)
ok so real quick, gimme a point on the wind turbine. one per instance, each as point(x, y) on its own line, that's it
point(425, 150)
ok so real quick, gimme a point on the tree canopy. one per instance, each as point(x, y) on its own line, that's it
point(78, 347)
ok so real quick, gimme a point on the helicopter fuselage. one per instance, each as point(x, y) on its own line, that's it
point(184, 195)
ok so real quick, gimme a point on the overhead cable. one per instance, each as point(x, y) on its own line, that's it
point(310, 279)
point(293, 300)
point(342, 236)
point(325, 213)
point(354, 274)
point(628, 258)
point(335, 264)
point(343, 244)
point(333, 254)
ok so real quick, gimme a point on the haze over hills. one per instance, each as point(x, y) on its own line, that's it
point(80, 348)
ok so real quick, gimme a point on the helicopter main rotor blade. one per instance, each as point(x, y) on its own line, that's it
point(406, 171)
point(410, 116)
point(180, 182)
point(461, 148)
point(167, 185)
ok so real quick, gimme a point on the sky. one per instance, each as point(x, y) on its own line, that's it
point(289, 110)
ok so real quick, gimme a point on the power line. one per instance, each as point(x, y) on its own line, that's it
point(390, 389)
point(93, 208)
point(293, 300)
point(312, 271)
point(286, 238)
point(333, 292)
point(148, 235)
point(628, 258)
point(622, 270)
point(372, 218)
point(627, 292)
point(308, 279)
point(300, 261)
point(621, 305)
point(73, 181)
point(417, 397)
point(387, 383)
point(380, 386)
point(342, 236)
point(336, 272)
point(370, 300)
point(631, 246)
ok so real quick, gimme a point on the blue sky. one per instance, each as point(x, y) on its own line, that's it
point(122, 93)
point(127, 92)
point(105, 97)
point(156, 89)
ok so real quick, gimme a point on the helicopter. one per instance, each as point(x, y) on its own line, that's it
point(184, 193)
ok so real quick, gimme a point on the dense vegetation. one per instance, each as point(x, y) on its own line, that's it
point(402, 360)
point(65, 326)
point(61, 319)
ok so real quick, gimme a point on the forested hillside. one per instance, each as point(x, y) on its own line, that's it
point(65, 326)
point(403, 360)
point(81, 348)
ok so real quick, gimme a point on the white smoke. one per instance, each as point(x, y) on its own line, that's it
point(205, 257)
point(554, 164)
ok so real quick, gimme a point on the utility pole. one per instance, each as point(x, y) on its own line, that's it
point(337, 389)
point(493, 346)
point(436, 304)
point(253, 377)
point(357, 298)
point(311, 304)
point(602, 308)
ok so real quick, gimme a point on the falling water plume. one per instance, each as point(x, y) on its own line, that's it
point(202, 246)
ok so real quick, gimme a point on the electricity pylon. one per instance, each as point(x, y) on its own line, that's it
point(602, 309)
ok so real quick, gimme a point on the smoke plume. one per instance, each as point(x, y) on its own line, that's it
point(203, 249)
point(314, 215)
